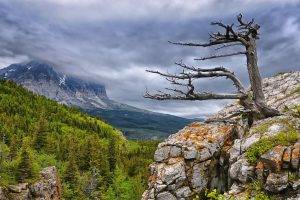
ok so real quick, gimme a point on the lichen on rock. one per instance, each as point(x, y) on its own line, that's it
point(237, 162)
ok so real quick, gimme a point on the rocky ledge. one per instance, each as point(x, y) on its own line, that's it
point(47, 188)
point(231, 161)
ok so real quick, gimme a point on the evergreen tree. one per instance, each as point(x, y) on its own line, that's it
point(71, 168)
point(112, 154)
point(41, 132)
point(25, 168)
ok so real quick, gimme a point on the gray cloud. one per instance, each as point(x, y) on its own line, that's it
point(115, 41)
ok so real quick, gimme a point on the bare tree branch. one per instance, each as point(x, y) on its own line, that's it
point(200, 73)
point(195, 96)
point(211, 43)
point(228, 45)
point(201, 69)
point(221, 56)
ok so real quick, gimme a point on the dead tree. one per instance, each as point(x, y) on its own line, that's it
point(245, 35)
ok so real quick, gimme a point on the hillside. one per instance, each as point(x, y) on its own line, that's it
point(93, 158)
point(45, 79)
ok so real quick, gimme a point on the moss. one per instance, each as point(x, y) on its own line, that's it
point(256, 189)
point(215, 195)
point(292, 176)
point(266, 144)
point(296, 90)
point(294, 110)
point(262, 128)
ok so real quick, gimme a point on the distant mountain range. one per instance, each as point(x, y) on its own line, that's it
point(43, 78)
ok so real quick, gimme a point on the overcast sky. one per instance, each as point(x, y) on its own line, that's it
point(114, 41)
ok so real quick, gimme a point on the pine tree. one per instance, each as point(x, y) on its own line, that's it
point(112, 154)
point(25, 169)
point(71, 168)
point(41, 132)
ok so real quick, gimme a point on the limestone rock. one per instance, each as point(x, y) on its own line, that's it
point(185, 161)
point(277, 182)
point(199, 177)
point(175, 151)
point(295, 155)
point(236, 189)
point(166, 196)
point(286, 158)
point(190, 153)
point(273, 158)
point(18, 188)
point(241, 170)
point(162, 153)
point(296, 184)
point(183, 192)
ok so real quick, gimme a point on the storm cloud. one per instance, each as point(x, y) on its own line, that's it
point(113, 42)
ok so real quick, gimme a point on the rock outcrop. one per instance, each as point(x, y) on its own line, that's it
point(238, 162)
point(47, 188)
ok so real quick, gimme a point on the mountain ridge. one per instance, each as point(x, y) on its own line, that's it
point(42, 78)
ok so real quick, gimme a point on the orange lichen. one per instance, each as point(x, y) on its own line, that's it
point(175, 160)
point(259, 166)
point(152, 179)
point(197, 132)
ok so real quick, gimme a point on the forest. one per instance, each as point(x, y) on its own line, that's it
point(94, 160)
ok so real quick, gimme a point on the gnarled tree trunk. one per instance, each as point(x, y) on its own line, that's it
point(256, 82)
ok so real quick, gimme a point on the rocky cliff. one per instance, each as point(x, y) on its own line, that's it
point(47, 188)
point(232, 161)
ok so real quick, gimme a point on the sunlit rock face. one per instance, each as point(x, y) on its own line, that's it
point(240, 162)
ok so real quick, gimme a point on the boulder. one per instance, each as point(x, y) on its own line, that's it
point(162, 153)
point(241, 170)
point(165, 196)
point(236, 189)
point(276, 183)
point(18, 188)
point(190, 153)
point(169, 173)
point(175, 151)
point(272, 160)
point(286, 158)
point(295, 156)
point(183, 192)
point(199, 177)
point(247, 142)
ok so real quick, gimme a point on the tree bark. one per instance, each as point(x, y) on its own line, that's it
point(256, 81)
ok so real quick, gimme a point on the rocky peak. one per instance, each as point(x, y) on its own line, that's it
point(44, 78)
point(238, 162)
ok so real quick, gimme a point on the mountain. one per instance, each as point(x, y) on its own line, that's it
point(93, 159)
point(44, 78)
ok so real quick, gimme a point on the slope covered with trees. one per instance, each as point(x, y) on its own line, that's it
point(93, 158)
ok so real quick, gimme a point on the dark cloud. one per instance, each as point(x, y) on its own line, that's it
point(115, 41)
